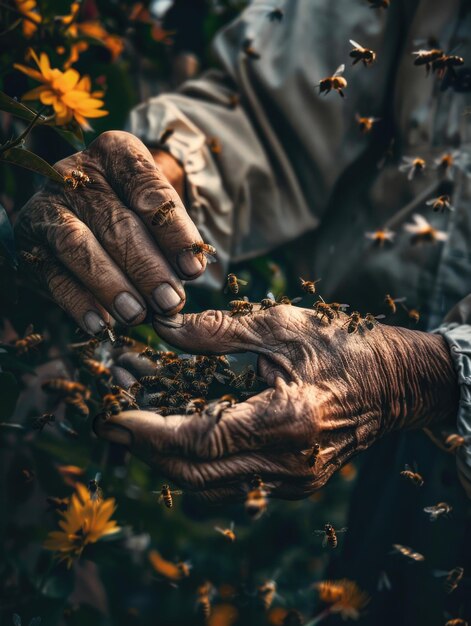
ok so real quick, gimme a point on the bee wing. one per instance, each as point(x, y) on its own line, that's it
point(210, 258)
point(220, 378)
point(438, 573)
point(384, 582)
point(296, 300)
point(339, 70)
point(430, 509)
point(98, 477)
point(242, 282)
point(177, 493)
point(245, 299)
point(380, 317)
point(431, 201)
point(232, 526)
point(342, 530)
point(355, 44)
point(219, 530)
point(270, 296)
point(29, 329)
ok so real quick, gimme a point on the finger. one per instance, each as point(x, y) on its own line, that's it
point(65, 290)
point(127, 241)
point(143, 187)
point(72, 243)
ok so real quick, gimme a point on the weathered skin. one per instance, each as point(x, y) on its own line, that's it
point(97, 241)
point(325, 385)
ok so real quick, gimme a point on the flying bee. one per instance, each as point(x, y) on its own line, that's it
point(166, 495)
point(336, 82)
point(233, 283)
point(446, 63)
point(312, 454)
point(228, 533)
point(29, 341)
point(441, 204)
point(76, 178)
point(64, 387)
point(413, 477)
point(365, 124)
point(330, 535)
point(381, 236)
point(240, 307)
point(324, 309)
point(164, 213)
point(372, 320)
point(412, 165)
point(47, 419)
point(85, 349)
point(204, 595)
point(309, 286)
point(249, 50)
point(392, 302)
point(94, 488)
point(266, 593)
point(423, 232)
point(57, 504)
point(256, 502)
point(455, 441)
point(359, 53)
point(438, 510)
point(201, 249)
point(426, 57)
point(453, 578)
point(407, 552)
point(414, 315)
point(78, 404)
point(353, 322)
point(97, 368)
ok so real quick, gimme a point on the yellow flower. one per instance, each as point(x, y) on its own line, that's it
point(66, 92)
point(29, 9)
point(85, 521)
point(344, 597)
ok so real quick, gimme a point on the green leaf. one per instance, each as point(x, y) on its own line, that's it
point(30, 161)
point(9, 392)
point(72, 135)
point(7, 239)
point(10, 105)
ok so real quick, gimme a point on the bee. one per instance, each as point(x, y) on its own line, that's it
point(57, 504)
point(266, 593)
point(336, 82)
point(246, 379)
point(28, 342)
point(446, 63)
point(453, 578)
point(165, 136)
point(409, 553)
point(31, 259)
point(423, 232)
point(330, 535)
point(65, 387)
point(27, 475)
point(200, 249)
point(413, 166)
point(312, 454)
point(166, 495)
point(372, 320)
point(240, 307)
point(392, 302)
point(214, 145)
point(379, 4)
point(381, 237)
point(413, 477)
point(249, 50)
point(268, 302)
point(359, 53)
point(228, 533)
point(164, 213)
point(276, 15)
point(441, 204)
point(204, 595)
point(86, 349)
point(414, 315)
point(365, 124)
point(450, 160)
point(256, 502)
point(427, 57)
point(97, 368)
point(455, 441)
point(94, 488)
point(78, 404)
point(324, 309)
point(150, 382)
point(233, 283)
point(124, 342)
point(309, 286)
point(353, 321)
point(117, 400)
point(436, 511)
point(184, 567)
point(196, 405)
point(76, 178)
point(47, 419)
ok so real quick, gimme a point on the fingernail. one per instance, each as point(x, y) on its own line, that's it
point(165, 297)
point(93, 323)
point(127, 307)
point(176, 321)
point(189, 263)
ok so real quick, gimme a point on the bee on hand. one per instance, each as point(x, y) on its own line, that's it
point(240, 307)
point(233, 283)
point(336, 82)
point(201, 249)
point(359, 53)
point(76, 178)
point(353, 322)
point(312, 454)
point(372, 320)
point(256, 502)
point(330, 535)
point(166, 495)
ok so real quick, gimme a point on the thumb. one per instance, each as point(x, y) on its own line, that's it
point(213, 331)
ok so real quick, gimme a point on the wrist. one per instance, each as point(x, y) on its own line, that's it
point(424, 389)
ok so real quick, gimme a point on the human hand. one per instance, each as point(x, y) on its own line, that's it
point(102, 249)
point(326, 386)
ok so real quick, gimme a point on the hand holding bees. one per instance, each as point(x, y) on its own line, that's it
point(115, 239)
point(329, 390)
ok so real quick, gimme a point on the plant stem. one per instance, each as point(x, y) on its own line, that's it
point(16, 142)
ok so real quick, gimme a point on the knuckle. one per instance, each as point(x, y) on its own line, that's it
point(69, 237)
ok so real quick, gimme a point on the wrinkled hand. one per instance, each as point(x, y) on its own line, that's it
point(101, 252)
point(341, 390)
